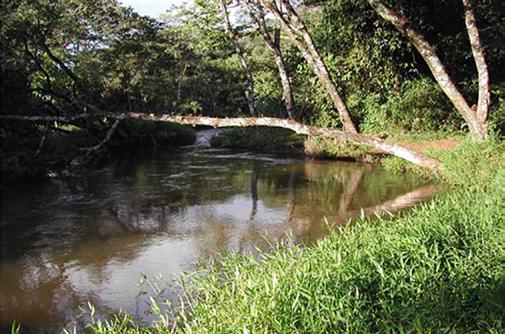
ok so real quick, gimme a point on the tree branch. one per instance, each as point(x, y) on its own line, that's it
point(104, 141)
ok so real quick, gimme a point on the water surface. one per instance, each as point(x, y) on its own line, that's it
point(73, 240)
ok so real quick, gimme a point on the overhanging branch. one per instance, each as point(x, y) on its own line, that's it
point(300, 128)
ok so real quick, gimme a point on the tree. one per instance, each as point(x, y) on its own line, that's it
point(240, 53)
point(476, 116)
point(272, 40)
point(301, 37)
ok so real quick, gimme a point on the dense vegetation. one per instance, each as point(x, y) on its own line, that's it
point(62, 58)
point(81, 66)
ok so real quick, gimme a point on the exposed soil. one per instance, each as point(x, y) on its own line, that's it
point(440, 144)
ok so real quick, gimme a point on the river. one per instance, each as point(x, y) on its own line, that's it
point(159, 212)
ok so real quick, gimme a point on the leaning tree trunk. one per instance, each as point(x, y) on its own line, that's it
point(300, 128)
point(287, 92)
point(243, 63)
point(477, 124)
point(256, 11)
point(300, 35)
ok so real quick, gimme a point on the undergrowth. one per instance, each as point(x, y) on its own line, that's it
point(258, 138)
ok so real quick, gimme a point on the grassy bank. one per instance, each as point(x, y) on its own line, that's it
point(439, 268)
point(283, 140)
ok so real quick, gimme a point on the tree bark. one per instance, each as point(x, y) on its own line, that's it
point(477, 127)
point(300, 35)
point(300, 128)
point(256, 12)
point(104, 141)
point(484, 99)
point(243, 63)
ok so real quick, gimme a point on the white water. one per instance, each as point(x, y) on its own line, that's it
point(203, 137)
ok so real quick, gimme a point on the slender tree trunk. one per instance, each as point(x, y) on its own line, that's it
point(179, 84)
point(243, 63)
point(287, 92)
point(477, 126)
point(256, 12)
point(300, 35)
point(43, 139)
point(482, 71)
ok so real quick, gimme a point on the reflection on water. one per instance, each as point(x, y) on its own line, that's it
point(65, 242)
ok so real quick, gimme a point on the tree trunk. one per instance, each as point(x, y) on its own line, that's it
point(257, 14)
point(243, 63)
point(179, 84)
point(299, 34)
point(477, 126)
point(300, 128)
point(482, 71)
point(287, 93)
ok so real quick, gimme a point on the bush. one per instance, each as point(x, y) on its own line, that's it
point(420, 106)
point(135, 132)
point(258, 138)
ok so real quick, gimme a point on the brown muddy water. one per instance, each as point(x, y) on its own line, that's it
point(67, 241)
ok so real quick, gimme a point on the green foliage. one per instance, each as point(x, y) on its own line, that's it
point(258, 138)
point(382, 77)
point(497, 112)
point(419, 106)
point(148, 132)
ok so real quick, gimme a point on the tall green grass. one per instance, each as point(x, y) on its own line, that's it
point(439, 268)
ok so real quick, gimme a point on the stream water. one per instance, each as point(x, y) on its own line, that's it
point(159, 212)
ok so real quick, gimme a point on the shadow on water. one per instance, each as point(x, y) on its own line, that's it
point(67, 241)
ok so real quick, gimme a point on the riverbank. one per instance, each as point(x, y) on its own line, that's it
point(33, 151)
point(438, 268)
point(285, 141)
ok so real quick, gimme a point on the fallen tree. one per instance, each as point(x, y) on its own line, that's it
point(300, 128)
